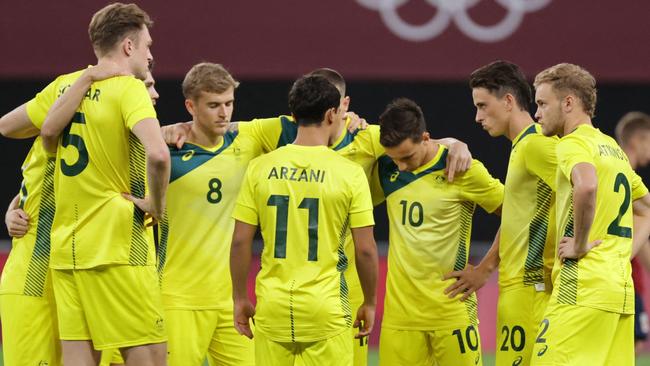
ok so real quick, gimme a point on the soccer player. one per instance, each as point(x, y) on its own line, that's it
point(430, 222)
point(27, 301)
point(195, 233)
point(102, 255)
point(304, 196)
point(633, 135)
point(524, 247)
point(589, 318)
point(359, 145)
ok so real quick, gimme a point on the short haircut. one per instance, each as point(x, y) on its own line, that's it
point(332, 76)
point(568, 79)
point(500, 78)
point(402, 119)
point(113, 23)
point(311, 97)
point(207, 77)
point(631, 124)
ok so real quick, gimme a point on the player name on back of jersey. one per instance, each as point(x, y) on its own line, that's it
point(611, 151)
point(91, 94)
point(297, 174)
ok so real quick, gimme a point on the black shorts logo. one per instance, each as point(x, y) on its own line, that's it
point(542, 351)
point(517, 361)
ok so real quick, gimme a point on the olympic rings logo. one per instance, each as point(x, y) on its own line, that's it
point(456, 11)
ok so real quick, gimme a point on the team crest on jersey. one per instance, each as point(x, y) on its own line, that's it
point(393, 177)
point(188, 155)
point(440, 179)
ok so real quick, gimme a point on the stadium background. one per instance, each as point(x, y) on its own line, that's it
point(421, 49)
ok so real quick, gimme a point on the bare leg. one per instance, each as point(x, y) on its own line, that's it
point(145, 355)
point(80, 353)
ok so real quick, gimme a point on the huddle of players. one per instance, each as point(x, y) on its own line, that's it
point(309, 181)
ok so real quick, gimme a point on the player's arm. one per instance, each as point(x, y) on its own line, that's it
point(158, 167)
point(367, 262)
point(459, 158)
point(16, 219)
point(64, 108)
point(240, 261)
point(641, 231)
point(471, 279)
point(17, 125)
point(585, 185)
point(176, 134)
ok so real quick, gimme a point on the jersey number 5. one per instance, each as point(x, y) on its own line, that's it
point(78, 142)
point(281, 202)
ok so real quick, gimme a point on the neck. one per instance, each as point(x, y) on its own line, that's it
point(631, 156)
point(519, 121)
point(202, 137)
point(121, 62)
point(432, 150)
point(572, 123)
point(313, 135)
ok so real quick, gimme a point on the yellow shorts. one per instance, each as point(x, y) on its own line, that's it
point(334, 351)
point(193, 334)
point(453, 347)
point(519, 313)
point(29, 330)
point(114, 306)
point(111, 357)
point(359, 345)
point(577, 335)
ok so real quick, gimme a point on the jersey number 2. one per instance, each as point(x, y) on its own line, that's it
point(614, 228)
point(281, 202)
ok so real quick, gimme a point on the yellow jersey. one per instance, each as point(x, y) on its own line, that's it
point(360, 146)
point(98, 159)
point(527, 236)
point(430, 223)
point(305, 199)
point(196, 230)
point(602, 278)
point(26, 271)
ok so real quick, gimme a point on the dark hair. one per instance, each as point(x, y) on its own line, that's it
point(114, 22)
point(631, 124)
point(401, 120)
point(310, 97)
point(501, 77)
point(332, 76)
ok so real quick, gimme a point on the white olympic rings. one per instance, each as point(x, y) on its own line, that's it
point(456, 11)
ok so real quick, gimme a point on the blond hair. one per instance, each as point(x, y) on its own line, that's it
point(113, 23)
point(631, 124)
point(207, 77)
point(568, 79)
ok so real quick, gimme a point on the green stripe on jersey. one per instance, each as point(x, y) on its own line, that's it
point(190, 156)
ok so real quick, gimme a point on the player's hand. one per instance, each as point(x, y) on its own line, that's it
point(244, 311)
point(459, 160)
point(105, 70)
point(468, 281)
point(568, 248)
point(177, 133)
point(356, 122)
point(17, 222)
point(365, 320)
point(147, 205)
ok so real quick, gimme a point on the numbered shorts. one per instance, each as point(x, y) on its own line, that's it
point(195, 334)
point(29, 330)
point(449, 347)
point(115, 306)
point(519, 313)
point(576, 335)
point(359, 345)
point(334, 351)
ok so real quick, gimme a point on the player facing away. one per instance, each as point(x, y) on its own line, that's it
point(102, 256)
point(195, 233)
point(430, 222)
point(30, 331)
point(589, 319)
point(524, 247)
point(304, 196)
